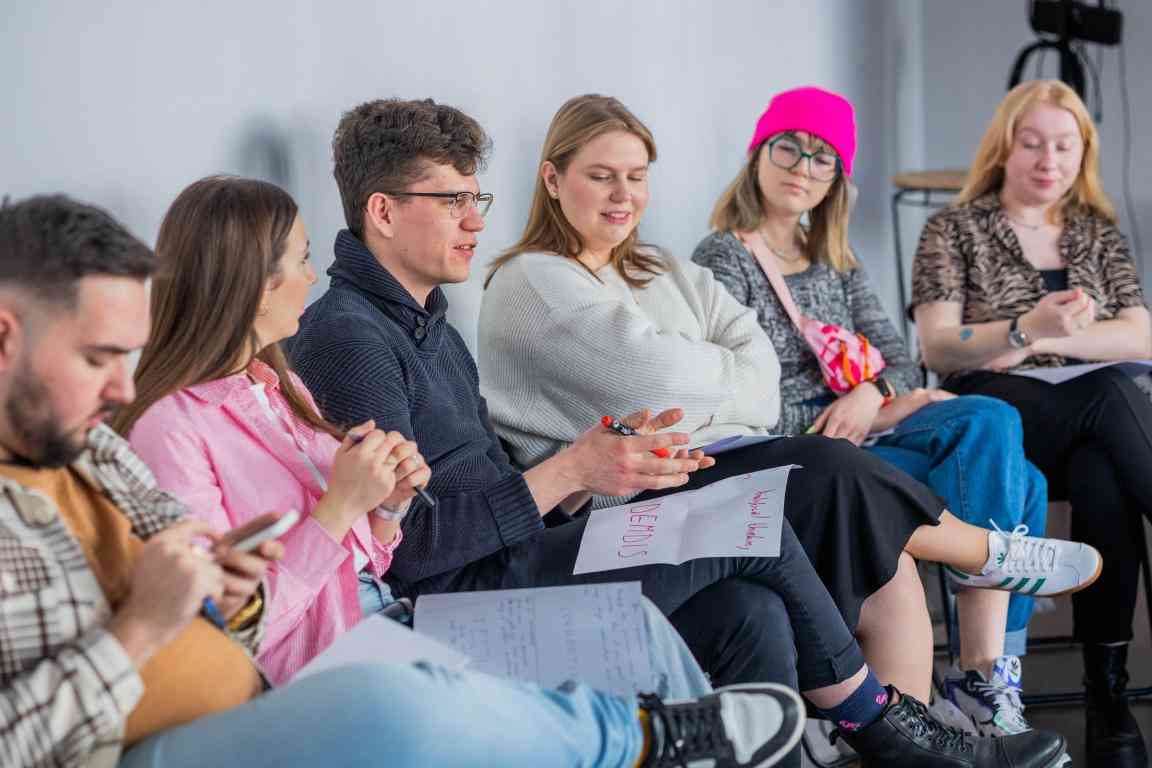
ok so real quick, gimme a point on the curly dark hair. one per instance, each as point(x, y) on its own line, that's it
point(49, 242)
point(388, 144)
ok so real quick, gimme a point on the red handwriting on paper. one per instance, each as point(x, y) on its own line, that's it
point(641, 528)
point(756, 509)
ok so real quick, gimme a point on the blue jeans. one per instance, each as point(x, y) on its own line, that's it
point(676, 672)
point(969, 450)
point(405, 715)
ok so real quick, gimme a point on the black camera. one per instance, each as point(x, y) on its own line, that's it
point(1070, 21)
point(1076, 21)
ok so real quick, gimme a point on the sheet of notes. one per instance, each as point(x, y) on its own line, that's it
point(592, 633)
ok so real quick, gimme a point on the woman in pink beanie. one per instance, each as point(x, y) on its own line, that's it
point(786, 215)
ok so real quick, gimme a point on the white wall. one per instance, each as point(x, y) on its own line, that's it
point(125, 103)
point(968, 50)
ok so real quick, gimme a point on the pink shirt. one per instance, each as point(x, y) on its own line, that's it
point(213, 446)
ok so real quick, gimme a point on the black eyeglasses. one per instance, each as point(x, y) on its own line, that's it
point(785, 152)
point(462, 202)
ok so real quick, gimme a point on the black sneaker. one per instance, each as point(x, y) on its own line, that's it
point(740, 726)
point(907, 735)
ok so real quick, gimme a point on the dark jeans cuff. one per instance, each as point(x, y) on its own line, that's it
point(835, 669)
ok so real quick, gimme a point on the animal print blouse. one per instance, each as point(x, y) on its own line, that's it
point(969, 254)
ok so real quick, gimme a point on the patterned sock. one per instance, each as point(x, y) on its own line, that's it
point(862, 708)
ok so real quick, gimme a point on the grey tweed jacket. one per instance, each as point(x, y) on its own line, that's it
point(844, 298)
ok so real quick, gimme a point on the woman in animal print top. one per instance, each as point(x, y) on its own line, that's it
point(1028, 270)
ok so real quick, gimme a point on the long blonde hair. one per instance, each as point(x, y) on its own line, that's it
point(740, 209)
point(987, 173)
point(580, 120)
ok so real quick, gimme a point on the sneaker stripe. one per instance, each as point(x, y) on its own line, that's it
point(1020, 585)
point(957, 574)
point(1004, 583)
point(1035, 589)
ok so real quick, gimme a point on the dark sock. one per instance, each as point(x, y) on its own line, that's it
point(862, 708)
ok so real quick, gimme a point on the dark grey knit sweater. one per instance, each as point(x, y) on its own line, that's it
point(843, 298)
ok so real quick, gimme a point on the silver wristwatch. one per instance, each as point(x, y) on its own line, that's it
point(1016, 335)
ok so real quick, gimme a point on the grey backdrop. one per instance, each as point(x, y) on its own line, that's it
point(124, 103)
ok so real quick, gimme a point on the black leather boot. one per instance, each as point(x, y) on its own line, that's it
point(1112, 737)
point(907, 736)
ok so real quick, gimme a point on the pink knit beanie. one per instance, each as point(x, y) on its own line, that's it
point(823, 113)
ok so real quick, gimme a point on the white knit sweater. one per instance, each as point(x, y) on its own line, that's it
point(558, 349)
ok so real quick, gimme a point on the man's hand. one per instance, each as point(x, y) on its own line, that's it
point(645, 424)
point(243, 572)
point(604, 462)
point(851, 416)
point(907, 404)
point(172, 577)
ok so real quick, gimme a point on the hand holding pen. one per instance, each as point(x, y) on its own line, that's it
point(411, 471)
point(172, 579)
point(606, 460)
point(647, 424)
point(408, 462)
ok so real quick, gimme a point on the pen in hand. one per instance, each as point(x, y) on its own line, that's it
point(624, 430)
point(421, 491)
point(209, 611)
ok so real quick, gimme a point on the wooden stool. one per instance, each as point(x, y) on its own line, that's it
point(919, 189)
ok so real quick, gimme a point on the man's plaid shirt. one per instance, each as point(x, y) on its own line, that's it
point(66, 684)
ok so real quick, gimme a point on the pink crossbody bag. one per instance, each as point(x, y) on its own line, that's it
point(846, 358)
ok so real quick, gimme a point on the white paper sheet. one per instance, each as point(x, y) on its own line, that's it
point(740, 516)
point(592, 633)
point(732, 442)
point(1068, 372)
point(377, 639)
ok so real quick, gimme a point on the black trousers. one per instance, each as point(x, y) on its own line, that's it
point(852, 511)
point(738, 636)
point(1092, 438)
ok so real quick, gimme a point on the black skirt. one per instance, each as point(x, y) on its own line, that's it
point(852, 511)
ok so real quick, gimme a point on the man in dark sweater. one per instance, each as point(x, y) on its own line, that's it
point(378, 346)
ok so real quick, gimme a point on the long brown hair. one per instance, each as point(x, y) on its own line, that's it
point(579, 121)
point(219, 245)
point(987, 173)
point(740, 209)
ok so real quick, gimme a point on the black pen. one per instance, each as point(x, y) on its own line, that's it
point(421, 491)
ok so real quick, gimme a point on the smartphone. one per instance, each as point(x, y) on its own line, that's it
point(273, 525)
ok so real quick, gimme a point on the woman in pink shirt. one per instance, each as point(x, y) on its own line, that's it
point(231, 431)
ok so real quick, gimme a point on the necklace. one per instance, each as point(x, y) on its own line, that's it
point(796, 256)
point(1026, 225)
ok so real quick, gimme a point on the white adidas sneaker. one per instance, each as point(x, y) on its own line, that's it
point(1032, 565)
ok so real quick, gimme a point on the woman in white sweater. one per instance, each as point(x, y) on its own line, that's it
point(580, 320)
